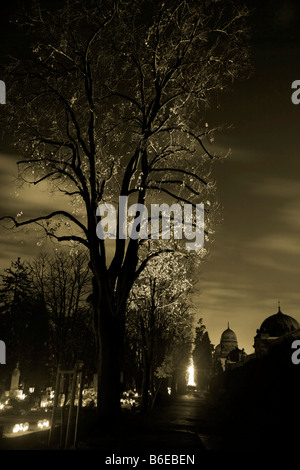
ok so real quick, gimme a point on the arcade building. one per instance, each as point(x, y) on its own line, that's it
point(273, 330)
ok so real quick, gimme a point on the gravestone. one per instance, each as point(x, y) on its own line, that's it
point(2, 352)
point(15, 377)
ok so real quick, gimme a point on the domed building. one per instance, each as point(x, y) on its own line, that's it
point(228, 341)
point(273, 329)
point(228, 352)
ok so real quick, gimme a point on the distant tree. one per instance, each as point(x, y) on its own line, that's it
point(110, 102)
point(174, 367)
point(63, 280)
point(24, 323)
point(159, 321)
point(217, 367)
point(202, 356)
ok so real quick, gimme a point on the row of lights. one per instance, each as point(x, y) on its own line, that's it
point(23, 427)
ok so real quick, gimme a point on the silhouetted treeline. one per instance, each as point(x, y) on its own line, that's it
point(45, 319)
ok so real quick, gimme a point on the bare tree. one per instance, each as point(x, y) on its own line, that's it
point(110, 102)
point(63, 280)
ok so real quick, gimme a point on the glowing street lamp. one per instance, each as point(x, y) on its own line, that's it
point(191, 371)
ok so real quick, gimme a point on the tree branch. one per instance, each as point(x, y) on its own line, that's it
point(180, 170)
point(149, 257)
point(47, 217)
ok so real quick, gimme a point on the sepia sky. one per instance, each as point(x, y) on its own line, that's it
point(254, 259)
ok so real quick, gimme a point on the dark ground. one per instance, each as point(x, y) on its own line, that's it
point(187, 425)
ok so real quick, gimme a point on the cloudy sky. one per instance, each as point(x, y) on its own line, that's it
point(254, 260)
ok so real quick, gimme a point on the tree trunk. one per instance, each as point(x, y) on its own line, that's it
point(111, 341)
point(145, 386)
point(174, 384)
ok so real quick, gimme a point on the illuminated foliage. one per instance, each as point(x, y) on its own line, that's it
point(159, 321)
